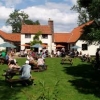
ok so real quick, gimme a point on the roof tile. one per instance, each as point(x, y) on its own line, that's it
point(32, 29)
point(15, 37)
point(76, 32)
point(61, 37)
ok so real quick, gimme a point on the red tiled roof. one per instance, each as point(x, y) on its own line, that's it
point(70, 37)
point(76, 33)
point(32, 29)
point(61, 37)
point(15, 37)
point(45, 29)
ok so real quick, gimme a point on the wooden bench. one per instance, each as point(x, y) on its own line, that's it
point(38, 68)
point(23, 82)
point(8, 74)
point(67, 60)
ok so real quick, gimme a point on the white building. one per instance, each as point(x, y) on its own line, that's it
point(50, 39)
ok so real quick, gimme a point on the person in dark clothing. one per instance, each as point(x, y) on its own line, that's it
point(97, 58)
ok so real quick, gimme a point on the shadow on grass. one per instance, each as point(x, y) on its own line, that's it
point(8, 93)
point(86, 79)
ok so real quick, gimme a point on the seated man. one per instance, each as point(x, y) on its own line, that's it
point(25, 78)
point(25, 71)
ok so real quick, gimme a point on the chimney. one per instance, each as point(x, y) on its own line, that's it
point(50, 23)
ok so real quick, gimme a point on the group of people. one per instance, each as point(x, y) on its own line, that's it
point(39, 62)
point(25, 70)
point(58, 52)
point(13, 65)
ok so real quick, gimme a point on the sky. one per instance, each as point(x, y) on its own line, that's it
point(65, 20)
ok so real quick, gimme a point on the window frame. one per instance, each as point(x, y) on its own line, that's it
point(27, 35)
point(84, 46)
point(44, 36)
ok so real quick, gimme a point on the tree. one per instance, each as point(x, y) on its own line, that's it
point(88, 10)
point(16, 19)
point(36, 39)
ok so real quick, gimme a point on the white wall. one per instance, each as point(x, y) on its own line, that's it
point(27, 40)
point(2, 41)
point(48, 41)
point(91, 48)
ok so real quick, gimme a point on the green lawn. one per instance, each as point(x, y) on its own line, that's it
point(58, 82)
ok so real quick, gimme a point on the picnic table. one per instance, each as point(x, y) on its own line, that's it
point(9, 74)
point(37, 68)
point(67, 59)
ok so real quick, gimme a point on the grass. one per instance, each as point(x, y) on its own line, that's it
point(58, 82)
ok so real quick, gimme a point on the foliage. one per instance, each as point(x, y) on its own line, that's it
point(17, 18)
point(30, 22)
point(88, 10)
point(46, 95)
point(36, 38)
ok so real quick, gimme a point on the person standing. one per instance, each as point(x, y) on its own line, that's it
point(97, 66)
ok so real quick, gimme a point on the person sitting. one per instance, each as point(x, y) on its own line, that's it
point(12, 69)
point(11, 57)
point(13, 65)
point(41, 63)
point(43, 56)
point(88, 58)
point(84, 57)
point(3, 54)
point(32, 61)
point(25, 71)
point(7, 58)
point(2, 57)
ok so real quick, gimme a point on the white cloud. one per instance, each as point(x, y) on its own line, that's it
point(4, 12)
point(7, 29)
point(64, 19)
point(59, 13)
point(74, 2)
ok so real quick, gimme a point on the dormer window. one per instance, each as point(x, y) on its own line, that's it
point(27, 35)
point(44, 36)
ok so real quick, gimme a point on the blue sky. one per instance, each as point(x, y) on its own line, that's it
point(57, 10)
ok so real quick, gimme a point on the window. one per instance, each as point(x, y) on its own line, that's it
point(44, 36)
point(27, 36)
point(84, 47)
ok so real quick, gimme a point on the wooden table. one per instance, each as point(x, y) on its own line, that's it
point(9, 78)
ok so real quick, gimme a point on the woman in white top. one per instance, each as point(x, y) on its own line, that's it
point(40, 61)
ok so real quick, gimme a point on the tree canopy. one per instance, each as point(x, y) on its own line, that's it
point(16, 19)
point(89, 10)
